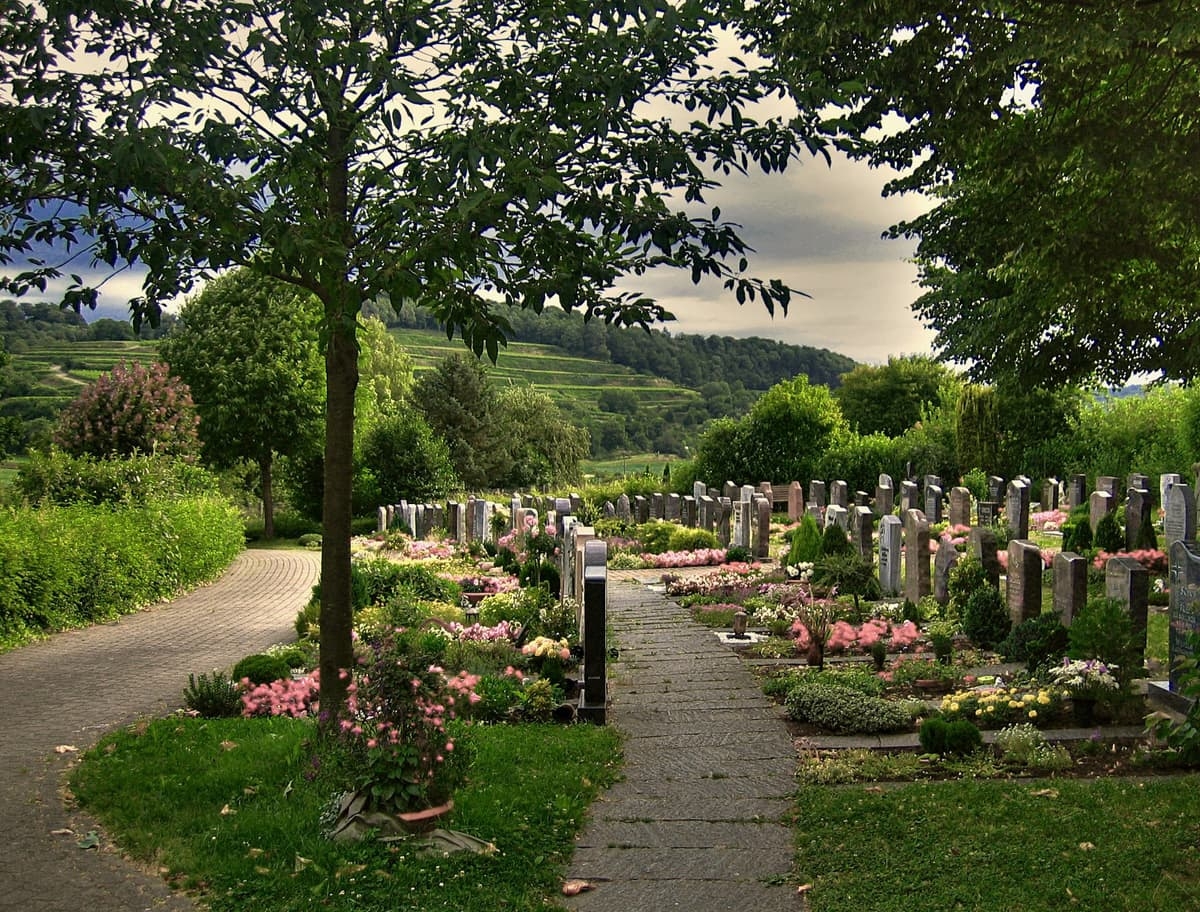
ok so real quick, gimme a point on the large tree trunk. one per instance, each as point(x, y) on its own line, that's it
point(337, 616)
point(268, 497)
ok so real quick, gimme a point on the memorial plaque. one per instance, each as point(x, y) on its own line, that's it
point(1185, 602)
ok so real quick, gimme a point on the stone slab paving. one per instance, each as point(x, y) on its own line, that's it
point(73, 687)
point(697, 822)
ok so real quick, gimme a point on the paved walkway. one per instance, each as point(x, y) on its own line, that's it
point(72, 688)
point(697, 822)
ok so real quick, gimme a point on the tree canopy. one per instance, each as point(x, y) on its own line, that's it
point(890, 398)
point(456, 153)
point(1059, 142)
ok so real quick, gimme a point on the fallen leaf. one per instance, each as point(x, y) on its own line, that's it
point(804, 888)
point(249, 790)
point(66, 749)
point(1045, 793)
point(1086, 846)
point(874, 789)
point(227, 811)
point(228, 745)
point(262, 870)
point(90, 841)
point(575, 887)
point(301, 863)
point(63, 832)
point(254, 852)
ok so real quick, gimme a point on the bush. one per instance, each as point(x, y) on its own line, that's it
point(1024, 745)
point(834, 541)
point(655, 536)
point(685, 539)
point(958, 738)
point(966, 577)
point(407, 460)
point(738, 555)
point(1103, 630)
point(1077, 535)
point(844, 710)
point(1037, 641)
point(806, 542)
point(1108, 535)
point(499, 698)
point(261, 668)
point(985, 618)
point(56, 477)
point(856, 677)
point(216, 697)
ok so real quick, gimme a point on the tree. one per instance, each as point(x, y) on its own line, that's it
point(385, 375)
point(408, 461)
point(542, 446)
point(466, 155)
point(459, 403)
point(131, 409)
point(247, 348)
point(890, 398)
point(1060, 141)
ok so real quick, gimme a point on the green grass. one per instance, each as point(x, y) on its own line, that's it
point(1132, 845)
point(225, 807)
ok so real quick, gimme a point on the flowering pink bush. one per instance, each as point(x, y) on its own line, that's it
point(480, 634)
point(702, 557)
point(295, 697)
point(844, 636)
point(1152, 559)
point(1047, 520)
point(1047, 555)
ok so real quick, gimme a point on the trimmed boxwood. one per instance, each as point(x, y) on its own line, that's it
point(844, 710)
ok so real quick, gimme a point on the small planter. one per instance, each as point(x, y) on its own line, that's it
point(474, 598)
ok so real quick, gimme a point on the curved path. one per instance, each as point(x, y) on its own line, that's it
point(73, 687)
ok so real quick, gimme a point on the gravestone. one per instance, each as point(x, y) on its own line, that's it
point(706, 513)
point(577, 502)
point(917, 582)
point(1051, 493)
point(762, 527)
point(1108, 484)
point(562, 509)
point(1129, 582)
point(1016, 509)
point(837, 516)
point(862, 499)
point(839, 495)
point(672, 508)
point(687, 512)
point(987, 513)
point(982, 544)
point(933, 503)
point(960, 506)
point(624, 510)
point(910, 496)
point(996, 488)
point(515, 505)
point(724, 509)
point(381, 520)
point(747, 492)
point(943, 563)
point(1138, 515)
point(1070, 585)
point(658, 506)
point(594, 699)
point(436, 515)
point(767, 490)
point(730, 490)
point(410, 520)
point(885, 495)
point(932, 481)
point(1179, 516)
point(743, 513)
point(862, 525)
point(641, 508)
point(890, 554)
point(1185, 602)
point(1077, 491)
point(1139, 481)
point(1100, 504)
point(816, 493)
point(1024, 580)
point(795, 501)
point(699, 489)
point(1165, 483)
point(816, 513)
point(609, 510)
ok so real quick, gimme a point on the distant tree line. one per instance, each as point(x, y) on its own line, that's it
point(28, 323)
point(688, 360)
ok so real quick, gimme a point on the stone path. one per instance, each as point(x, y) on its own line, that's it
point(72, 688)
point(697, 823)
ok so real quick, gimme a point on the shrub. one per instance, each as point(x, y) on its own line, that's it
point(965, 578)
point(57, 477)
point(738, 555)
point(834, 541)
point(685, 539)
point(1103, 630)
point(957, 738)
point(851, 574)
point(655, 536)
point(132, 409)
point(855, 676)
point(1077, 535)
point(985, 617)
point(1108, 535)
point(261, 668)
point(1037, 641)
point(215, 697)
point(844, 710)
point(407, 459)
point(499, 698)
point(1024, 745)
point(806, 542)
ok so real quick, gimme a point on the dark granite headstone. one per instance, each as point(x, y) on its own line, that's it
point(1024, 580)
point(862, 526)
point(816, 493)
point(943, 563)
point(933, 503)
point(1138, 515)
point(1128, 581)
point(983, 545)
point(1077, 491)
point(988, 512)
point(1070, 585)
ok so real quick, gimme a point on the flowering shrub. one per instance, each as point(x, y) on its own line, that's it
point(544, 647)
point(1152, 559)
point(394, 727)
point(295, 697)
point(480, 634)
point(728, 580)
point(844, 636)
point(993, 707)
point(1047, 520)
point(420, 549)
point(488, 584)
point(1085, 677)
point(702, 557)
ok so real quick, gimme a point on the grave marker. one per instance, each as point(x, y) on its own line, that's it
point(1138, 515)
point(917, 583)
point(987, 513)
point(1179, 518)
point(885, 495)
point(960, 506)
point(762, 527)
point(890, 554)
point(943, 563)
point(1128, 581)
point(1100, 504)
point(1024, 580)
point(983, 545)
point(910, 496)
point(862, 526)
point(1051, 493)
point(1016, 508)
point(1070, 585)
point(837, 516)
point(933, 503)
point(1185, 602)
point(816, 493)
point(839, 495)
point(594, 699)
point(795, 501)
point(1076, 491)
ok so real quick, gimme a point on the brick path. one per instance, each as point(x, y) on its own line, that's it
point(73, 687)
point(697, 823)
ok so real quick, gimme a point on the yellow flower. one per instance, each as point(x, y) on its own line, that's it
point(1043, 699)
point(1033, 713)
point(953, 707)
point(979, 712)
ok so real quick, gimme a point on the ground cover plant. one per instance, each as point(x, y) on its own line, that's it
point(230, 809)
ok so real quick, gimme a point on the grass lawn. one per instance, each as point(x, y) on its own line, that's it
point(1029, 845)
point(224, 807)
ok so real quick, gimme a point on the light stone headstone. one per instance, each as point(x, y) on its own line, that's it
point(767, 490)
point(795, 501)
point(839, 495)
point(917, 580)
point(816, 493)
point(743, 512)
point(746, 493)
point(762, 527)
point(624, 508)
point(982, 544)
point(862, 525)
point(1184, 579)
point(410, 520)
point(515, 505)
point(837, 516)
point(1077, 491)
point(730, 490)
point(1100, 504)
point(609, 510)
point(1070, 585)
point(707, 509)
point(1024, 580)
point(885, 496)
point(933, 503)
point(816, 513)
point(381, 522)
point(699, 489)
point(1129, 582)
point(1108, 484)
point(1179, 515)
point(910, 496)
point(943, 562)
point(1165, 483)
point(931, 481)
point(724, 510)
point(890, 551)
point(960, 506)
point(1138, 516)
point(1051, 494)
point(1016, 509)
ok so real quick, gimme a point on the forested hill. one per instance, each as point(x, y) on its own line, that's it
point(687, 360)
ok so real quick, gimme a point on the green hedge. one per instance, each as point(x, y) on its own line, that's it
point(69, 566)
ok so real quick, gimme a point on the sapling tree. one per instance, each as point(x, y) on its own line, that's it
point(463, 154)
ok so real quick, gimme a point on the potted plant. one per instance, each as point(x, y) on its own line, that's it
point(1085, 681)
point(392, 745)
point(548, 657)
